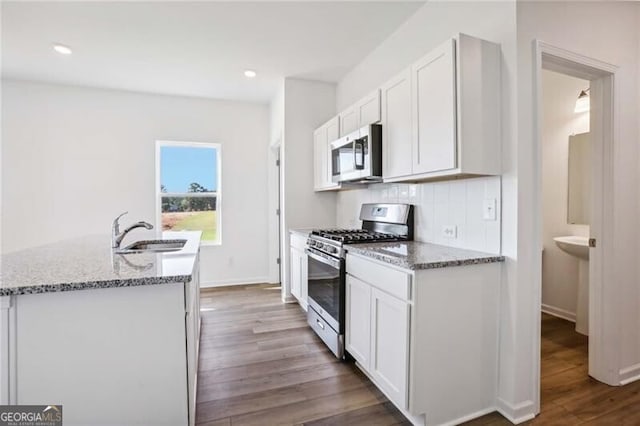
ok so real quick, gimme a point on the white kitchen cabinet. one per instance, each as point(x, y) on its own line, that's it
point(358, 320)
point(396, 126)
point(434, 110)
point(390, 345)
point(377, 326)
point(432, 333)
point(298, 268)
point(454, 114)
point(349, 120)
point(322, 138)
point(192, 323)
point(365, 111)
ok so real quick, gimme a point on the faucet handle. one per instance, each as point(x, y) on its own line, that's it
point(116, 225)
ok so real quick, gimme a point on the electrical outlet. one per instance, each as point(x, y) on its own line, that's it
point(489, 209)
point(450, 231)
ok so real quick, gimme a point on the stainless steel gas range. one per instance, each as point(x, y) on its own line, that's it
point(326, 267)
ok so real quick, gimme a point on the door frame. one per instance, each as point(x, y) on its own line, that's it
point(603, 334)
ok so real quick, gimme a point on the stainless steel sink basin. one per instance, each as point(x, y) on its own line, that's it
point(154, 246)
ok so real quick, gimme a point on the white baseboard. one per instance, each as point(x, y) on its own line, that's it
point(558, 312)
point(242, 281)
point(470, 417)
point(517, 413)
point(629, 374)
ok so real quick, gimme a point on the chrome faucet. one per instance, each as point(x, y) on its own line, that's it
point(117, 236)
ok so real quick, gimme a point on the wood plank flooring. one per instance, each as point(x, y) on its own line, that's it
point(568, 395)
point(261, 365)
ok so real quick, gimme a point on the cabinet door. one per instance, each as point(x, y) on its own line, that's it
point(295, 273)
point(369, 109)
point(349, 120)
point(358, 320)
point(396, 126)
point(390, 345)
point(333, 133)
point(434, 110)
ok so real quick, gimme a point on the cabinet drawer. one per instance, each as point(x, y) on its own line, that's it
point(392, 281)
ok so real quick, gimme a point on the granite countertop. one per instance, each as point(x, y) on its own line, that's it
point(416, 255)
point(89, 263)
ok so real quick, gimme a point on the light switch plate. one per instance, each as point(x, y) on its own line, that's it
point(450, 231)
point(489, 209)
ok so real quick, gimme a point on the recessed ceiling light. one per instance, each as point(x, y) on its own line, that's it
point(62, 49)
point(250, 73)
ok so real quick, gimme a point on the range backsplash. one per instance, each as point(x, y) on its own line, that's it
point(438, 205)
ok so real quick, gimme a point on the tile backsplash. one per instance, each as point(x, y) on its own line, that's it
point(450, 213)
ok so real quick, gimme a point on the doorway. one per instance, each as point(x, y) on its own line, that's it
point(602, 344)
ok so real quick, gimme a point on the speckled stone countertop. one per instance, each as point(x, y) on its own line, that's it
point(89, 263)
point(415, 255)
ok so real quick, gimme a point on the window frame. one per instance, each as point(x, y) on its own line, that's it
point(218, 192)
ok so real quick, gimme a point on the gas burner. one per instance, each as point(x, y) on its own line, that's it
point(354, 236)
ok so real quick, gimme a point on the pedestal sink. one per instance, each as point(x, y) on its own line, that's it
point(579, 248)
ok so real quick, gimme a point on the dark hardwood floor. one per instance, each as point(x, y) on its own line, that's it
point(261, 365)
point(568, 395)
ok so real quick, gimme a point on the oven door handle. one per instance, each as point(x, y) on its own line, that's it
point(316, 256)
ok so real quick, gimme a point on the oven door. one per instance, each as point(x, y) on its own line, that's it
point(326, 287)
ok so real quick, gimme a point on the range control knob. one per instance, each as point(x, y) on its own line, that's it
point(332, 249)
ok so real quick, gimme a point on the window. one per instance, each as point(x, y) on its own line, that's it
point(188, 188)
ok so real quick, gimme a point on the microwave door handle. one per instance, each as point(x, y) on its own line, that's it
point(359, 165)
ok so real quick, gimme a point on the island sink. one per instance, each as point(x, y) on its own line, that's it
point(156, 246)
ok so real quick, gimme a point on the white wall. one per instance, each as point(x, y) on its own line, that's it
point(307, 104)
point(73, 158)
point(453, 203)
point(426, 29)
point(606, 31)
point(559, 269)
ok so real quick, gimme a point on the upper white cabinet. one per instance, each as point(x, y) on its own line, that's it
point(396, 126)
point(454, 119)
point(440, 116)
point(434, 110)
point(365, 111)
point(322, 137)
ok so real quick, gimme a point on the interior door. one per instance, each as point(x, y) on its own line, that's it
point(434, 110)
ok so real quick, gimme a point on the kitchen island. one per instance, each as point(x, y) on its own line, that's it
point(113, 338)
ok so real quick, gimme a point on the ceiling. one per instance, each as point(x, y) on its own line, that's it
point(193, 48)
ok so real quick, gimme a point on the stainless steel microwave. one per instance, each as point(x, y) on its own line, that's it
point(357, 157)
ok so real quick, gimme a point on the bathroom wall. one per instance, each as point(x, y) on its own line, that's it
point(559, 270)
point(437, 205)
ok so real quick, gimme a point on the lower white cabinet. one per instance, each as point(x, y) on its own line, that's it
point(390, 345)
point(377, 336)
point(428, 338)
point(358, 320)
point(298, 268)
